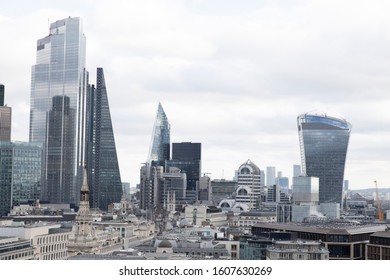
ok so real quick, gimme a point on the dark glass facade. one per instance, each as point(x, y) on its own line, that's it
point(323, 144)
point(60, 143)
point(102, 161)
point(2, 90)
point(187, 157)
point(20, 174)
point(5, 117)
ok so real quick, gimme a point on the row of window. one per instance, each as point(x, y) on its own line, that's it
point(53, 238)
point(22, 255)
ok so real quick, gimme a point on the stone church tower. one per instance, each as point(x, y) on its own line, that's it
point(83, 239)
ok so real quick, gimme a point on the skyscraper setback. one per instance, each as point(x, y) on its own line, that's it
point(324, 143)
point(57, 114)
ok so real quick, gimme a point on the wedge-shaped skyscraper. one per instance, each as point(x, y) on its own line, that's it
point(324, 143)
point(102, 161)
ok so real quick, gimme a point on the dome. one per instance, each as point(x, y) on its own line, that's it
point(249, 168)
point(226, 203)
point(164, 244)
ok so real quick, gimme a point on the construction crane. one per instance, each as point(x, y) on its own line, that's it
point(380, 213)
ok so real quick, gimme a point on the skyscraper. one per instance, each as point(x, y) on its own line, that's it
point(187, 157)
point(102, 161)
point(59, 79)
point(271, 175)
point(249, 189)
point(2, 89)
point(5, 117)
point(20, 174)
point(160, 143)
point(323, 144)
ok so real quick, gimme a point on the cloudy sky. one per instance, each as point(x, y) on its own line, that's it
point(232, 75)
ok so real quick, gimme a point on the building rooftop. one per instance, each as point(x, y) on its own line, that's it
point(326, 227)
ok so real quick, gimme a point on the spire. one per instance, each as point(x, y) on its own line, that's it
point(84, 187)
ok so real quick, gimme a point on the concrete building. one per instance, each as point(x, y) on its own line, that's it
point(199, 215)
point(14, 248)
point(250, 189)
point(297, 250)
point(49, 241)
point(254, 247)
point(222, 189)
point(345, 241)
point(193, 250)
point(379, 246)
point(245, 220)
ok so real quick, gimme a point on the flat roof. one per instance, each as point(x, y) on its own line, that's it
point(325, 228)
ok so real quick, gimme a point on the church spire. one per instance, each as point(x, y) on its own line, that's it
point(84, 187)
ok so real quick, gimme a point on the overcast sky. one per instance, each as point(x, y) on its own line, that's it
point(233, 75)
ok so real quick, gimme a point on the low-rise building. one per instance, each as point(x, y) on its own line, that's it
point(297, 250)
point(345, 241)
point(14, 248)
point(246, 220)
point(49, 241)
point(379, 246)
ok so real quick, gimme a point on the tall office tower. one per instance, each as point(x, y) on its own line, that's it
point(60, 138)
point(59, 73)
point(205, 194)
point(271, 175)
point(2, 91)
point(150, 186)
point(297, 170)
point(5, 117)
point(20, 174)
point(101, 156)
point(282, 182)
point(323, 144)
point(187, 157)
point(161, 141)
point(174, 182)
point(249, 189)
point(305, 190)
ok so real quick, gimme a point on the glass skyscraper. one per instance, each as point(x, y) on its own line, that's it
point(161, 141)
point(187, 157)
point(5, 117)
point(102, 161)
point(323, 144)
point(57, 114)
point(20, 174)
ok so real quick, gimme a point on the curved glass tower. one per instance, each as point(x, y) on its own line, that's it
point(323, 144)
point(160, 144)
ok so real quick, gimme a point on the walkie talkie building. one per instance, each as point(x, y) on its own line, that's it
point(324, 144)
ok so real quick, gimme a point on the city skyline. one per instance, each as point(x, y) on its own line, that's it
point(232, 76)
